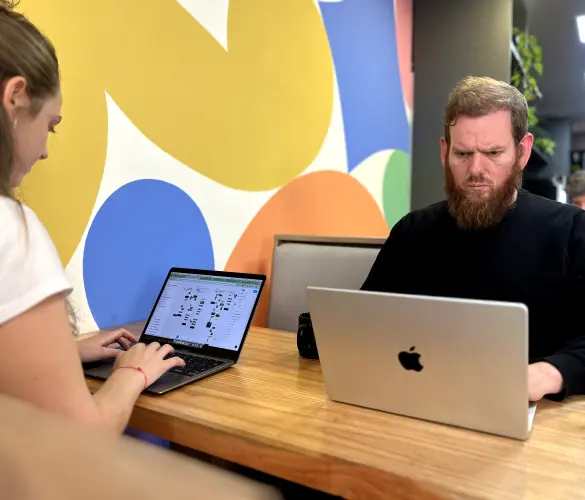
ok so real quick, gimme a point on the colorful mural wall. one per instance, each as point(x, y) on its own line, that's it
point(194, 131)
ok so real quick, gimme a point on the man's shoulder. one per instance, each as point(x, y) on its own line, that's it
point(423, 219)
point(545, 207)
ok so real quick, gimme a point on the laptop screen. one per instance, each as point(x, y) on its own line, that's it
point(204, 310)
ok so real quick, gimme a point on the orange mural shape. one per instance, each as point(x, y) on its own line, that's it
point(315, 204)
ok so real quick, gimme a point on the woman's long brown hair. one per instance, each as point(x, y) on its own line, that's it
point(25, 52)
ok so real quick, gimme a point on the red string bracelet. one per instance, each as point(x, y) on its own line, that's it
point(138, 369)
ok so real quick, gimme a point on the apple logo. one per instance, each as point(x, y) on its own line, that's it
point(410, 360)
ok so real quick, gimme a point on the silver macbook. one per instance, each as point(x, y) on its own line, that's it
point(453, 361)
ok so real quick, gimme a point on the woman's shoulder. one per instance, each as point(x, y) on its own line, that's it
point(16, 217)
point(30, 268)
point(14, 207)
point(9, 207)
point(22, 232)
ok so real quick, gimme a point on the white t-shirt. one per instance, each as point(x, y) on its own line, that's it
point(30, 268)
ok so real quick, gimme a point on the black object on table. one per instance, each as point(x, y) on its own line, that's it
point(306, 337)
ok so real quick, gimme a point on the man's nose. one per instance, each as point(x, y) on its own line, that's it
point(476, 164)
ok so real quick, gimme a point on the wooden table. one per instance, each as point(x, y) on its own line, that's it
point(270, 413)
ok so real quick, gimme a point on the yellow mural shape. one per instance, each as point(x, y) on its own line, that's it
point(251, 118)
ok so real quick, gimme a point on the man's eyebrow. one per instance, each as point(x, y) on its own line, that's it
point(494, 147)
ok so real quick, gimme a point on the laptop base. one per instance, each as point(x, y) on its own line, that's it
point(103, 369)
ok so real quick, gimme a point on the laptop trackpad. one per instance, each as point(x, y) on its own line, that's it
point(99, 369)
point(170, 380)
point(102, 370)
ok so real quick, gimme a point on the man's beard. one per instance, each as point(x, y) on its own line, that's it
point(473, 212)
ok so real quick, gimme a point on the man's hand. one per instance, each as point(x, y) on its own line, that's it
point(102, 345)
point(543, 379)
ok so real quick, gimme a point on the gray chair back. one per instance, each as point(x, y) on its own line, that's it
point(302, 261)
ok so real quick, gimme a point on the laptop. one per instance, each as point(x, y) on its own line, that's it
point(205, 316)
point(452, 361)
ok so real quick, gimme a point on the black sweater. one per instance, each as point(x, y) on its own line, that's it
point(535, 256)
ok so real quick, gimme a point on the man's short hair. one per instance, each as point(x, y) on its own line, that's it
point(576, 184)
point(478, 96)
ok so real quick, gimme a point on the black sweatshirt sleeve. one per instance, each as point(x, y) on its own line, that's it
point(385, 273)
point(570, 360)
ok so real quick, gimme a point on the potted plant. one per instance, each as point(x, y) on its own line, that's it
point(525, 72)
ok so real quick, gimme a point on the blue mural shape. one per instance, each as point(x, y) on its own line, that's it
point(140, 232)
point(362, 36)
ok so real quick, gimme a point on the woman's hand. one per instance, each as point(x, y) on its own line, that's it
point(101, 346)
point(150, 359)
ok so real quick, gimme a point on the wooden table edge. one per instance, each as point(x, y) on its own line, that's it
point(298, 466)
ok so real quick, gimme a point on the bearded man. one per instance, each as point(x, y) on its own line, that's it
point(492, 240)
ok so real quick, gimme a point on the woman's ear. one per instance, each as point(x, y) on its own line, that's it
point(15, 96)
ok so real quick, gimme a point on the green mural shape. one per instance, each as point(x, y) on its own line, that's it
point(396, 187)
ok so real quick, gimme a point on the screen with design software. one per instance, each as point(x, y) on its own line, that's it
point(200, 310)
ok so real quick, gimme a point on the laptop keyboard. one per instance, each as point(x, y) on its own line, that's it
point(194, 364)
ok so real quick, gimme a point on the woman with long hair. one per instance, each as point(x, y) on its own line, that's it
point(40, 360)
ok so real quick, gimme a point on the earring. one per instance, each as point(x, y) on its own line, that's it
point(15, 123)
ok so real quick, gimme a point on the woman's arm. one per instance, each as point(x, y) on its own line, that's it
point(45, 457)
point(39, 363)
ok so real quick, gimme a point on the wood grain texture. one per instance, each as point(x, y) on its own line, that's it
point(270, 413)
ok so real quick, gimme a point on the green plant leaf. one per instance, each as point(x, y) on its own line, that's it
point(530, 53)
point(546, 145)
point(538, 67)
point(537, 49)
point(532, 118)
